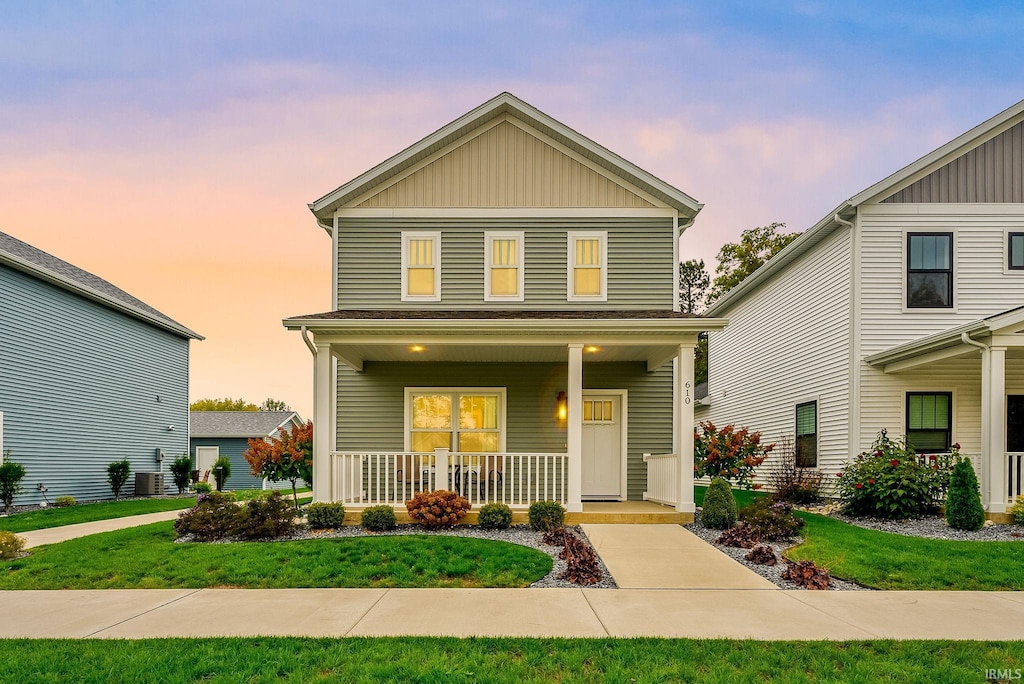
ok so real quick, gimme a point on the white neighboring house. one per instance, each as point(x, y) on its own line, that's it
point(902, 309)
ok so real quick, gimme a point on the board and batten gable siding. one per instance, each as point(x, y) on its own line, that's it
point(371, 405)
point(505, 166)
point(79, 388)
point(991, 172)
point(241, 475)
point(641, 269)
point(787, 343)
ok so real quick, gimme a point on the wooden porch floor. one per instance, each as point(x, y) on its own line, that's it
point(596, 512)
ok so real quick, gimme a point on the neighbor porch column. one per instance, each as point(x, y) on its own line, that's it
point(574, 438)
point(322, 437)
point(996, 429)
point(684, 428)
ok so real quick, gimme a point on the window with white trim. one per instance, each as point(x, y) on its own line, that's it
point(807, 435)
point(503, 270)
point(588, 266)
point(421, 266)
point(466, 420)
point(1015, 251)
point(930, 421)
point(930, 270)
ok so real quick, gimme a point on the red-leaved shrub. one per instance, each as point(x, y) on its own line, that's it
point(438, 509)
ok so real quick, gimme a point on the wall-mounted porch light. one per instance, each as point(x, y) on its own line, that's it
point(562, 406)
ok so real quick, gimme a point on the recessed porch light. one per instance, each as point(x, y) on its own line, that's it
point(417, 348)
point(591, 349)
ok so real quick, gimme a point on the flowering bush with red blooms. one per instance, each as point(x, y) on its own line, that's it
point(891, 481)
point(728, 453)
point(285, 456)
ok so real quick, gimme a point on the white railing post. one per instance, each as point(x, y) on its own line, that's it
point(443, 468)
point(574, 438)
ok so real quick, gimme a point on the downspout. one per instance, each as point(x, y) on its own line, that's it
point(966, 339)
point(838, 219)
point(305, 338)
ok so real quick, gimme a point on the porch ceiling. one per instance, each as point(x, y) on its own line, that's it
point(501, 351)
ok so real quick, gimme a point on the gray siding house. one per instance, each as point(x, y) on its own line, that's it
point(117, 388)
point(213, 434)
point(505, 322)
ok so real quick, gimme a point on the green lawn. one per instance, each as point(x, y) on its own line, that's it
point(892, 561)
point(743, 497)
point(146, 558)
point(411, 659)
point(80, 513)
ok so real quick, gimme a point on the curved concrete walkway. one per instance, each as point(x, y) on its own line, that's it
point(52, 535)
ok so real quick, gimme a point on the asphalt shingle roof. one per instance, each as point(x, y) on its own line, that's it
point(496, 314)
point(236, 423)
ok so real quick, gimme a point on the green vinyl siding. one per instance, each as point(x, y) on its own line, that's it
point(371, 404)
point(641, 270)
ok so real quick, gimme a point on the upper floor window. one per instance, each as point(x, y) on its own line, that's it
point(503, 272)
point(930, 421)
point(588, 266)
point(1015, 250)
point(421, 266)
point(929, 270)
point(807, 435)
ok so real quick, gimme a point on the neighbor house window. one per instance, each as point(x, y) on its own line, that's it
point(469, 420)
point(930, 421)
point(930, 270)
point(588, 266)
point(1015, 250)
point(421, 266)
point(503, 272)
point(807, 435)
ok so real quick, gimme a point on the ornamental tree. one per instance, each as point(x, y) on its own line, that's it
point(728, 453)
point(285, 456)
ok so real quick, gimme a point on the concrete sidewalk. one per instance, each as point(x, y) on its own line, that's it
point(769, 614)
point(52, 535)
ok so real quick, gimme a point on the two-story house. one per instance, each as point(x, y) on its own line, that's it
point(505, 322)
point(901, 310)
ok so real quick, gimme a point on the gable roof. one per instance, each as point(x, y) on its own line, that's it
point(884, 188)
point(28, 259)
point(239, 423)
point(505, 103)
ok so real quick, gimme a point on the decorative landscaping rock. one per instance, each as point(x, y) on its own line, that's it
point(935, 527)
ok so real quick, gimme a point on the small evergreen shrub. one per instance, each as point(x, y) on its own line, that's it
point(322, 516)
point(963, 502)
point(719, 510)
point(215, 516)
point(1017, 510)
point(181, 471)
point(266, 517)
point(438, 509)
point(546, 515)
point(762, 555)
point(64, 501)
point(771, 520)
point(378, 518)
point(495, 516)
point(202, 487)
point(11, 475)
point(807, 575)
point(221, 472)
point(11, 545)
point(117, 475)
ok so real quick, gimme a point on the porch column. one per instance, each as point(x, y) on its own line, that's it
point(996, 429)
point(322, 437)
point(684, 428)
point(574, 438)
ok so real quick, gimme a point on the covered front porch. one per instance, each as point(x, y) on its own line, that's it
point(986, 359)
point(576, 407)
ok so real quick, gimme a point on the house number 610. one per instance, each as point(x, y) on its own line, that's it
point(687, 399)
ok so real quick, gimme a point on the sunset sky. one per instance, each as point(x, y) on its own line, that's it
point(172, 148)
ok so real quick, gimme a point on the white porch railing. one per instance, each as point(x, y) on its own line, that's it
point(391, 478)
point(662, 478)
point(1014, 476)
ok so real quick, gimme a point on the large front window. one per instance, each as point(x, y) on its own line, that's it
point(469, 420)
point(929, 270)
point(930, 421)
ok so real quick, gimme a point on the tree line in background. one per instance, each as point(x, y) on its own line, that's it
point(736, 261)
point(228, 404)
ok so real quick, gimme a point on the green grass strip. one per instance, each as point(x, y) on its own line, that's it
point(146, 558)
point(517, 660)
point(90, 512)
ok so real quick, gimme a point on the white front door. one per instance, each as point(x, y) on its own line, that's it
point(603, 423)
point(206, 456)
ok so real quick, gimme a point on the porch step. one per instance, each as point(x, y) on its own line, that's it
point(638, 513)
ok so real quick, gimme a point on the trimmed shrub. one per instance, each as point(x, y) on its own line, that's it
point(438, 509)
point(202, 487)
point(117, 475)
point(1017, 510)
point(762, 555)
point(181, 471)
point(546, 515)
point(11, 475)
point(266, 517)
point(771, 520)
point(215, 516)
point(495, 516)
point(378, 518)
point(963, 502)
point(11, 545)
point(807, 575)
point(221, 472)
point(325, 515)
point(64, 501)
point(719, 511)
point(729, 453)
